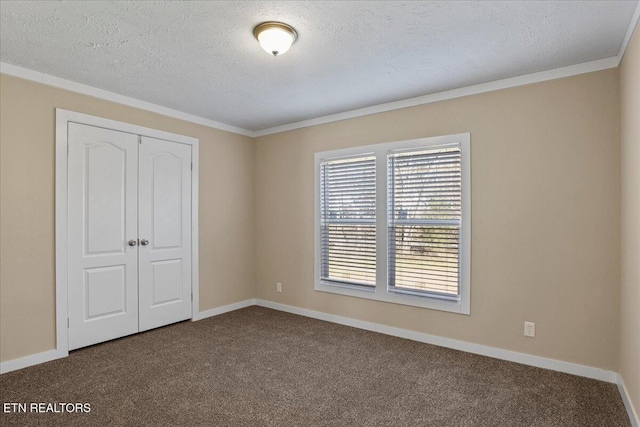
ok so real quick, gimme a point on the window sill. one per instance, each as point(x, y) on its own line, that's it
point(394, 298)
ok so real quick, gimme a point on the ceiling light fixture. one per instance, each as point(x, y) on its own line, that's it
point(275, 37)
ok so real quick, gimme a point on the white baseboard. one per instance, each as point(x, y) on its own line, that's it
point(34, 359)
point(633, 414)
point(224, 309)
point(512, 356)
point(46, 356)
point(498, 353)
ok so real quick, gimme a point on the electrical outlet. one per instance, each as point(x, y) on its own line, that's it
point(529, 329)
point(278, 287)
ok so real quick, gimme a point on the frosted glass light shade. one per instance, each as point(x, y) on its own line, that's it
point(275, 37)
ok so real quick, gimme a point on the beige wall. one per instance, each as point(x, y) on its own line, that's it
point(545, 225)
point(630, 236)
point(546, 209)
point(27, 265)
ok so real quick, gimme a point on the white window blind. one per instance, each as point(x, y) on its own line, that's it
point(348, 221)
point(425, 209)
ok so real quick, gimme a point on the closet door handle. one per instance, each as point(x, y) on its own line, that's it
point(132, 242)
point(144, 242)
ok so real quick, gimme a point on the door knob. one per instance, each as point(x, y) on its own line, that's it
point(144, 242)
point(132, 242)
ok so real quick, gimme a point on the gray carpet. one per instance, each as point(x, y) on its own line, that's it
point(259, 367)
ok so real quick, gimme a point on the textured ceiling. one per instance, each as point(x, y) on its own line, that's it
point(201, 57)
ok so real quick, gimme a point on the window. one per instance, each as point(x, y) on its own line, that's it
point(425, 195)
point(348, 221)
point(393, 222)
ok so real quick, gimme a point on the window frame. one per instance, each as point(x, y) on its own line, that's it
point(382, 292)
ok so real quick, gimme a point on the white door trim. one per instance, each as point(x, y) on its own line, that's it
point(63, 117)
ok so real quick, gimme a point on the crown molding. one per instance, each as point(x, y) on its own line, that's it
point(556, 73)
point(629, 34)
point(49, 80)
point(541, 76)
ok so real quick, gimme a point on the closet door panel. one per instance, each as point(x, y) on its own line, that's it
point(102, 215)
point(165, 232)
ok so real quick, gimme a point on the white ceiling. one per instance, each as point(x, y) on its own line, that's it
point(201, 57)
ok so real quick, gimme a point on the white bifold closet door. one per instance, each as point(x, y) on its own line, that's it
point(103, 217)
point(129, 234)
point(165, 232)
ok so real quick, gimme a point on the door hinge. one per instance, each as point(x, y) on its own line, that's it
point(68, 323)
point(67, 149)
point(139, 139)
point(191, 297)
point(191, 165)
